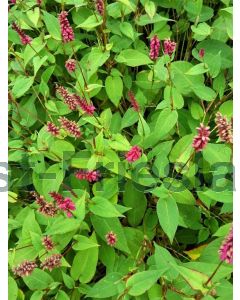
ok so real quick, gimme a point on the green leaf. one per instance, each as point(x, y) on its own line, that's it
point(127, 29)
point(38, 62)
point(52, 25)
point(85, 263)
point(62, 149)
point(12, 289)
point(108, 286)
point(197, 69)
point(150, 8)
point(84, 243)
point(114, 89)
point(204, 92)
point(182, 150)
point(22, 85)
point(139, 283)
point(137, 201)
point(62, 225)
point(168, 215)
point(130, 117)
point(217, 153)
point(133, 58)
point(90, 23)
point(103, 208)
point(38, 280)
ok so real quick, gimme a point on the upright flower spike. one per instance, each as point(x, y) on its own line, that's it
point(47, 243)
point(226, 249)
point(66, 29)
point(70, 65)
point(154, 47)
point(87, 108)
point(224, 128)
point(68, 98)
point(201, 53)
point(133, 101)
point(169, 47)
point(52, 262)
point(100, 6)
point(111, 238)
point(134, 154)
point(90, 176)
point(25, 39)
point(70, 126)
point(53, 129)
point(201, 140)
point(25, 268)
point(67, 205)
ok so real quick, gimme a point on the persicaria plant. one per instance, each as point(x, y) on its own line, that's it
point(120, 149)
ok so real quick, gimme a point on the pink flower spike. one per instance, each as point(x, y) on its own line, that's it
point(134, 154)
point(39, 2)
point(90, 176)
point(70, 126)
point(87, 108)
point(133, 101)
point(100, 6)
point(70, 65)
point(67, 205)
point(169, 47)
point(201, 53)
point(52, 128)
point(111, 238)
point(154, 48)
point(57, 197)
point(226, 249)
point(47, 243)
point(66, 29)
point(25, 39)
point(52, 262)
point(201, 140)
point(69, 99)
point(25, 268)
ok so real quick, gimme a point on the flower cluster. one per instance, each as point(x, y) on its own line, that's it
point(70, 65)
point(53, 129)
point(201, 53)
point(39, 2)
point(25, 268)
point(100, 6)
point(46, 208)
point(66, 29)
point(226, 249)
point(25, 39)
point(90, 176)
point(64, 204)
point(70, 126)
point(134, 154)
point(111, 238)
point(154, 47)
point(69, 99)
point(47, 243)
point(52, 262)
point(133, 101)
point(224, 128)
point(169, 47)
point(87, 108)
point(201, 140)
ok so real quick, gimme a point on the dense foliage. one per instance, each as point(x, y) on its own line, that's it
point(120, 149)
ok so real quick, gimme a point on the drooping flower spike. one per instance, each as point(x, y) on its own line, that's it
point(68, 206)
point(25, 39)
point(87, 108)
point(201, 140)
point(69, 99)
point(53, 129)
point(46, 208)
